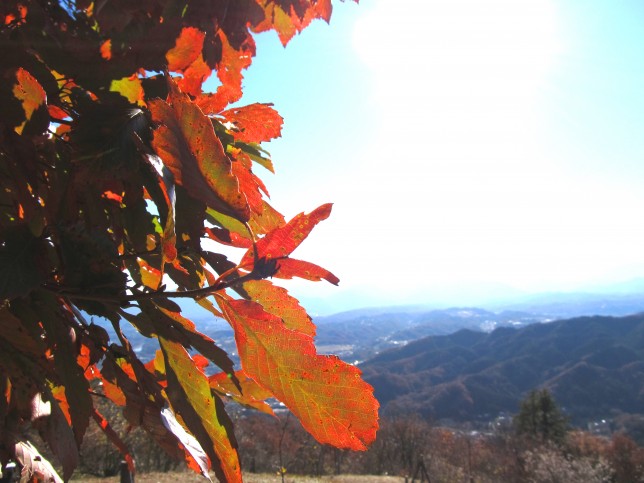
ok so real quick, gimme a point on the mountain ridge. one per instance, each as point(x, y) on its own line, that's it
point(593, 365)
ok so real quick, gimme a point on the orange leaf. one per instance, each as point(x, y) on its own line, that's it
point(186, 49)
point(288, 17)
point(277, 301)
point(106, 49)
point(255, 123)
point(282, 241)
point(194, 77)
point(327, 395)
point(189, 147)
point(56, 112)
point(249, 183)
point(251, 394)
point(30, 93)
point(289, 268)
point(150, 276)
point(229, 70)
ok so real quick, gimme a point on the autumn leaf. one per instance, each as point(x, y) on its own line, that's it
point(282, 241)
point(130, 88)
point(277, 301)
point(164, 318)
point(190, 395)
point(229, 72)
point(326, 394)
point(289, 267)
point(288, 17)
point(189, 147)
point(247, 393)
point(255, 123)
point(194, 76)
point(250, 184)
point(119, 175)
point(186, 57)
point(187, 49)
point(30, 93)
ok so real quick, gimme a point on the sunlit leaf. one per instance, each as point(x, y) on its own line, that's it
point(326, 394)
point(289, 268)
point(277, 301)
point(130, 88)
point(251, 394)
point(229, 72)
point(30, 93)
point(186, 50)
point(282, 241)
point(191, 398)
point(255, 123)
point(188, 146)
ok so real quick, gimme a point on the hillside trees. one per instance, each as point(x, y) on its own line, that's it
point(119, 181)
point(540, 418)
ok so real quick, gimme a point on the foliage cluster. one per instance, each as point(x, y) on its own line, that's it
point(120, 181)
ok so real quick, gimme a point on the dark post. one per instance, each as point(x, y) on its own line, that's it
point(126, 476)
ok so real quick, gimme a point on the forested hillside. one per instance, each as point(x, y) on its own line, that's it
point(593, 365)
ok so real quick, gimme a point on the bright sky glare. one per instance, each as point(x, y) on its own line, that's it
point(470, 147)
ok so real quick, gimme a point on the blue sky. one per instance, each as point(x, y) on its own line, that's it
point(470, 148)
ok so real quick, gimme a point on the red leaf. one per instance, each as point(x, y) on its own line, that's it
point(194, 77)
point(327, 395)
point(249, 184)
point(186, 50)
point(226, 237)
point(189, 147)
point(229, 73)
point(282, 241)
point(289, 268)
point(255, 123)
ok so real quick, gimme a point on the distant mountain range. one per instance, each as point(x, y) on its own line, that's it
point(358, 335)
point(593, 365)
point(472, 363)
